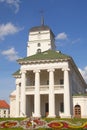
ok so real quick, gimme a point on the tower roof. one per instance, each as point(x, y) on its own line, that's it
point(41, 28)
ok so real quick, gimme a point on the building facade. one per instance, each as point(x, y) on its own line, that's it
point(47, 79)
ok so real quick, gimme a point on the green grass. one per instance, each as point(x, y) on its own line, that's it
point(14, 119)
point(58, 129)
point(11, 128)
point(72, 120)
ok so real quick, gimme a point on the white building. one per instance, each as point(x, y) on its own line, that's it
point(47, 80)
point(4, 109)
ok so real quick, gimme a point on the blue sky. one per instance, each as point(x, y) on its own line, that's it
point(66, 18)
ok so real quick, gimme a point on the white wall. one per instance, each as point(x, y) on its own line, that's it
point(45, 38)
point(82, 101)
point(4, 112)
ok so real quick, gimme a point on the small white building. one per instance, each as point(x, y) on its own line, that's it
point(4, 109)
point(47, 80)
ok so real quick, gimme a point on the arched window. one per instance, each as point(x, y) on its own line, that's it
point(38, 50)
point(77, 111)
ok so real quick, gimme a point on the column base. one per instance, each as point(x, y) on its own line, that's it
point(23, 115)
point(65, 116)
point(36, 115)
point(17, 116)
point(51, 116)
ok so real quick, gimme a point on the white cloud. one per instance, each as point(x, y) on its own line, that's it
point(76, 41)
point(84, 73)
point(61, 36)
point(12, 3)
point(10, 54)
point(8, 29)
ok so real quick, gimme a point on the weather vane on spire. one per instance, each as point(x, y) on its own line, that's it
point(42, 18)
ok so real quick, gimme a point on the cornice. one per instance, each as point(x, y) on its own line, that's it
point(42, 61)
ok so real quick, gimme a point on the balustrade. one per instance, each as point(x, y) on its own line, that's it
point(44, 87)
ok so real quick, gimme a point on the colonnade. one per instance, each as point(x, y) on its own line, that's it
point(67, 98)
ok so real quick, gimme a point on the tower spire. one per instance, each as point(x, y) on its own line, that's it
point(42, 18)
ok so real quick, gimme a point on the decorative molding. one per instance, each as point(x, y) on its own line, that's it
point(42, 61)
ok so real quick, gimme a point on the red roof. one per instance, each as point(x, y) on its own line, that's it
point(4, 104)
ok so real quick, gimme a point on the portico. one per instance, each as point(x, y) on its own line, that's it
point(34, 88)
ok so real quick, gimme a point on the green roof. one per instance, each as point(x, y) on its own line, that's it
point(17, 73)
point(47, 55)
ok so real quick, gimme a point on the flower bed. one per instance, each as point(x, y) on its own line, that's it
point(36, 123)
point(33, 123)
point(64, 125)
point(9, 124)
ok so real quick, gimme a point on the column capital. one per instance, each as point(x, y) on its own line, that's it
point(51, 70)
point(23, 71)
point(65, 69)
point(36, 71)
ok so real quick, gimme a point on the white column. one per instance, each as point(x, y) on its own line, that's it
point(67, 94)
point(7, 113)
point(17, 98)
point(23, 96)
point(37, 94)
point(51, 94)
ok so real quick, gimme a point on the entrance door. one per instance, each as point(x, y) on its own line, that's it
point(46, 108)
point(77, 111)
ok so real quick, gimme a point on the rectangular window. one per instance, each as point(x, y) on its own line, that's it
point(47, 82)
point(62, 107)
point(38, 44)
point(4, 111)
point(46, 107)
point(33, 83)
point(61, 81)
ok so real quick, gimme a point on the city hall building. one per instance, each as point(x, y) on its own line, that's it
point(48, 83)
